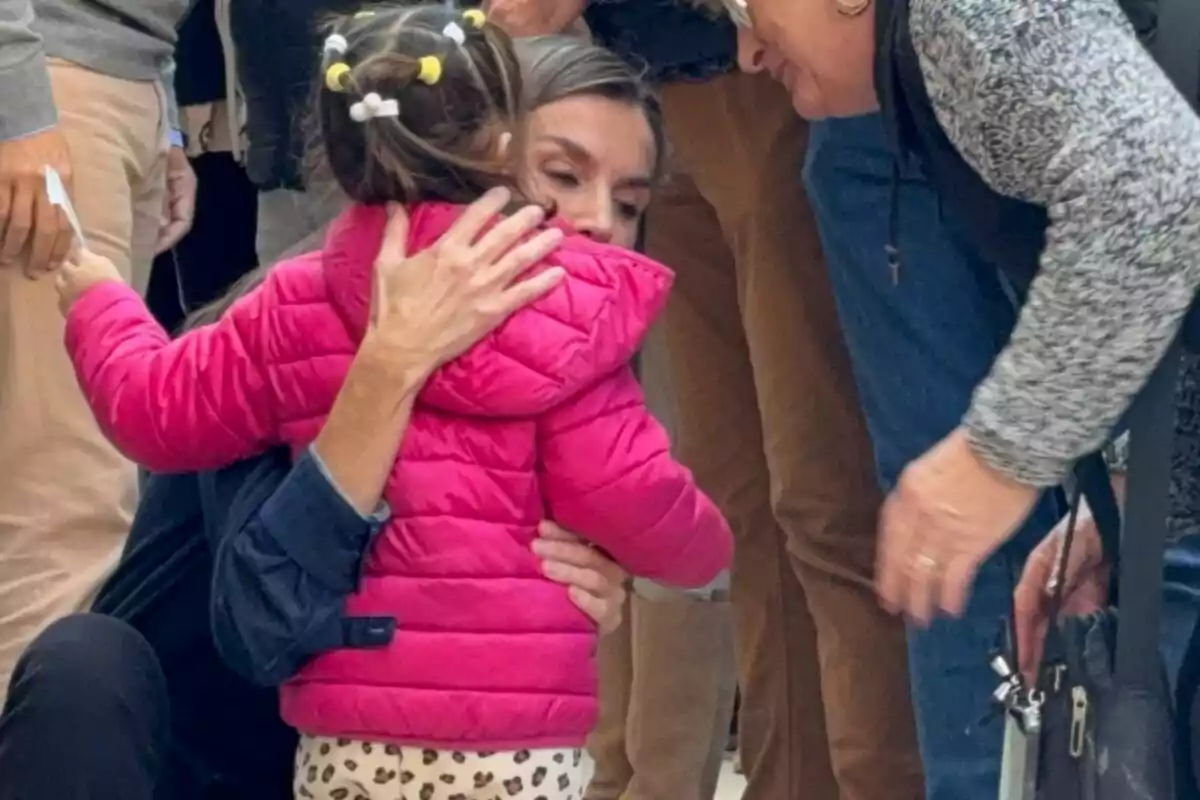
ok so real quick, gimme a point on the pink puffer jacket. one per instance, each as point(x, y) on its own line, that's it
point(543, 419)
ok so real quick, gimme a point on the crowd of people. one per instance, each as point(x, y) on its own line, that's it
point(331, 466)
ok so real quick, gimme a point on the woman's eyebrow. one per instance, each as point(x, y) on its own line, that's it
point(574, 150)
point(577, 152)
point(636, 182)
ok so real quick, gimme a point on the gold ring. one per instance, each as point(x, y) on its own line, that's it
point(927, 563)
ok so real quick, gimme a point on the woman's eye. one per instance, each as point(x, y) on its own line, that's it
point(562, 178)
point(629, 210)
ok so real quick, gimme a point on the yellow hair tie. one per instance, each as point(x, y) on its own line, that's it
point(476, 17)
point(431, 70)
point(336, 75)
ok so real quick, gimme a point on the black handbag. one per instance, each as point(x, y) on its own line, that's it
point(1098, 724)
point(1107, 730)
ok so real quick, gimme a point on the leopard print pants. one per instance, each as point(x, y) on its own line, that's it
point(345, 769)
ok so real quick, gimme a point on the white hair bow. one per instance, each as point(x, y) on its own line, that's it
point(336, 43)
point(454, 32)
point(373, 106)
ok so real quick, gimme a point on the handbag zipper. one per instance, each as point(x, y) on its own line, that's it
point(1079, 713)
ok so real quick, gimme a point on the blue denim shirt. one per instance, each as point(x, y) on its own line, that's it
point(671, 40)
point(288, 553)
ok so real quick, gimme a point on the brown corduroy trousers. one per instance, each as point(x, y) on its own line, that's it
point(769, 420)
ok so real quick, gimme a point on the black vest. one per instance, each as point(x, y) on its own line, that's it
point(1009, 234)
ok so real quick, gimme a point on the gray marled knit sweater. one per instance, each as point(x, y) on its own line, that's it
point(1055, 102)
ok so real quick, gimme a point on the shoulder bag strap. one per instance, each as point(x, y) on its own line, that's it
point(1152, 421)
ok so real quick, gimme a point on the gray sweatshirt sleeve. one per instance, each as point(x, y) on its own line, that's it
point(26, 101)
point(1056, 103)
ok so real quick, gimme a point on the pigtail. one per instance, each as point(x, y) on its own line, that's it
point(412, 103)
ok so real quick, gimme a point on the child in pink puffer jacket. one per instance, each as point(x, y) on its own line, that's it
point(486, 687)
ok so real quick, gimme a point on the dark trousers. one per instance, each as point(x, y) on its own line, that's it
point(87, 716)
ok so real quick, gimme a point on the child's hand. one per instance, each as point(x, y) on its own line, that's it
point(81, 271)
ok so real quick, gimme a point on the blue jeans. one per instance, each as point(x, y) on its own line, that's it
point(919, 346)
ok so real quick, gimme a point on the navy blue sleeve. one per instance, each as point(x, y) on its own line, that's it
point(288, 550)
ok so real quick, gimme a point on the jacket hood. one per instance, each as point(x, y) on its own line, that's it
point(587, 327)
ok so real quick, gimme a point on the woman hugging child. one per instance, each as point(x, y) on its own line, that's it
point(469, 675)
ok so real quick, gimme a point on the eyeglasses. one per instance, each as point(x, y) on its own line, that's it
point(737, 12)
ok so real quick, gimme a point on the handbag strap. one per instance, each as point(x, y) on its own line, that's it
point(1147, 502)
point(1176, 46)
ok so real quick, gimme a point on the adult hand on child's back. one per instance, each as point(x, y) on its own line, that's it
point(432, 306)
point(81, 271)
point(596, 584)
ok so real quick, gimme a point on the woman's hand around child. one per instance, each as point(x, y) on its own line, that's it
point(430, 307)
point(81, 271)
point(596, 584)
point(425, 310)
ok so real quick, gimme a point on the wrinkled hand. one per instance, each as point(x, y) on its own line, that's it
point(81, 271)
point(32, 230)
point(431, 307)
point(534, 17)
point(597, 585)
point(179, 203)
point(947, 514)
point(1084, 586)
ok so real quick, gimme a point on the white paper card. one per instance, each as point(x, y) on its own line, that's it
point(57, 193)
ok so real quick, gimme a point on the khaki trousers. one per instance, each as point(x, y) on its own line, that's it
point(769, 420)
point(666, 697)
point(67, 496)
